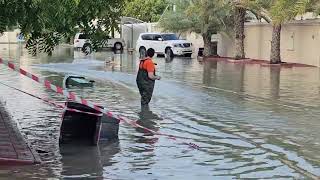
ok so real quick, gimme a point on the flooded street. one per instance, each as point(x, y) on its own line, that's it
point(249, 121)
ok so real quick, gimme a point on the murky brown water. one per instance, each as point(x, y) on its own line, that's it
point(249, 121)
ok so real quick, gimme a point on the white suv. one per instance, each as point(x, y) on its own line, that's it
point(81, 40)
point(167, 44)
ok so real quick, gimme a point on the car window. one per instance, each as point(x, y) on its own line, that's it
point(83, 36)
point(147, 37)
point(167, 37)
point(156, 37)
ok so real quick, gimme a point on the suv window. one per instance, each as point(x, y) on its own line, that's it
point(167, 37)
point(147, 37)
point(83, 36)
point(156, 37)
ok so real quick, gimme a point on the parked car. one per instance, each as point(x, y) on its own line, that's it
point(81, 41)
point(167, 44)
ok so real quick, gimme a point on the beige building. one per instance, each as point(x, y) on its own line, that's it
point(300, 42)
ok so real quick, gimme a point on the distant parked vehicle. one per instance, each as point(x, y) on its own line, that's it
point(82, 41)
point(167, 44)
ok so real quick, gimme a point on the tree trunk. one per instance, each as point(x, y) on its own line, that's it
point(112, 32)
point(239, 31)
point(275, 57)
point(208, 45)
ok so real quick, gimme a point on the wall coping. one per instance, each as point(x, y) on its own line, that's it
point(308, 22)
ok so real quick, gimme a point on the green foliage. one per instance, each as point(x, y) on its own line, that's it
point(45, 22)
point(314, 6)
point(257, 7)
point(177, 21)
point(145, 10)
point(278, 11)
point(199, 16)
point(9, 16)
point(286, 10)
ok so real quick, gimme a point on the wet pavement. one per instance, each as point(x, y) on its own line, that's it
point(249, 121)
point(14, 149)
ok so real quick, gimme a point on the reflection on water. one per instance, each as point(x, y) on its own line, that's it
point(249, 121)
point(87, 161)
point(275, 82)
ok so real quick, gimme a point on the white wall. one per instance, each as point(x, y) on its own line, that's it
point(9, 37)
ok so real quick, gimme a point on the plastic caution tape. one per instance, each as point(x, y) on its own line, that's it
point(52, 102)
point(77, 99)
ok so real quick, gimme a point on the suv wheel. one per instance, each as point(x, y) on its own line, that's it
point(118, 46)
point(143, 52)
point(87, 48)
point(169, 53)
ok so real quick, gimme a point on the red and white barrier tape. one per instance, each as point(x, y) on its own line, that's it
point(75, 98)
point(52, 102)
point(69, 109)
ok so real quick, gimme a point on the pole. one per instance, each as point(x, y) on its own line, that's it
point(131, 35)
point(8, 34)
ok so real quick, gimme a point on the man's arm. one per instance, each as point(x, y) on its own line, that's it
point(153, 77)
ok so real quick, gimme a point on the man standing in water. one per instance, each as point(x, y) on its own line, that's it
point(146, 79)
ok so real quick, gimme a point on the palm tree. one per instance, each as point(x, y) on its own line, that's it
point(240, 8)
point(281, 11)
point(275, 12)
point(239, 19)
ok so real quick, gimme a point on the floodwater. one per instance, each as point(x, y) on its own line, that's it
point(249, 121)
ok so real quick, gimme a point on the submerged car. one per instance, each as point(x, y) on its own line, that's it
point(78, 81)
point(87, 126)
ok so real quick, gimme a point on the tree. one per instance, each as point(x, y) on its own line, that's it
point(145, 10)
point(45, 22)
point(240, 16)
point(240, 8)
point(177, 21)
point(278, 12)
point(314, 6)
point(205, 17)
point(282, 11)
point(9, 15)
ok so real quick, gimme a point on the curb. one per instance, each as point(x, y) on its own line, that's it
point(15, 162)
point(22, 153)
point(262, 63)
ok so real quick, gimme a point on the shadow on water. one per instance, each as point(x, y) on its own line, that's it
point(209, 72)
point(216, 75)
point(143, 142)
point(83, 161)
point(168, 59)
point(149, 120)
